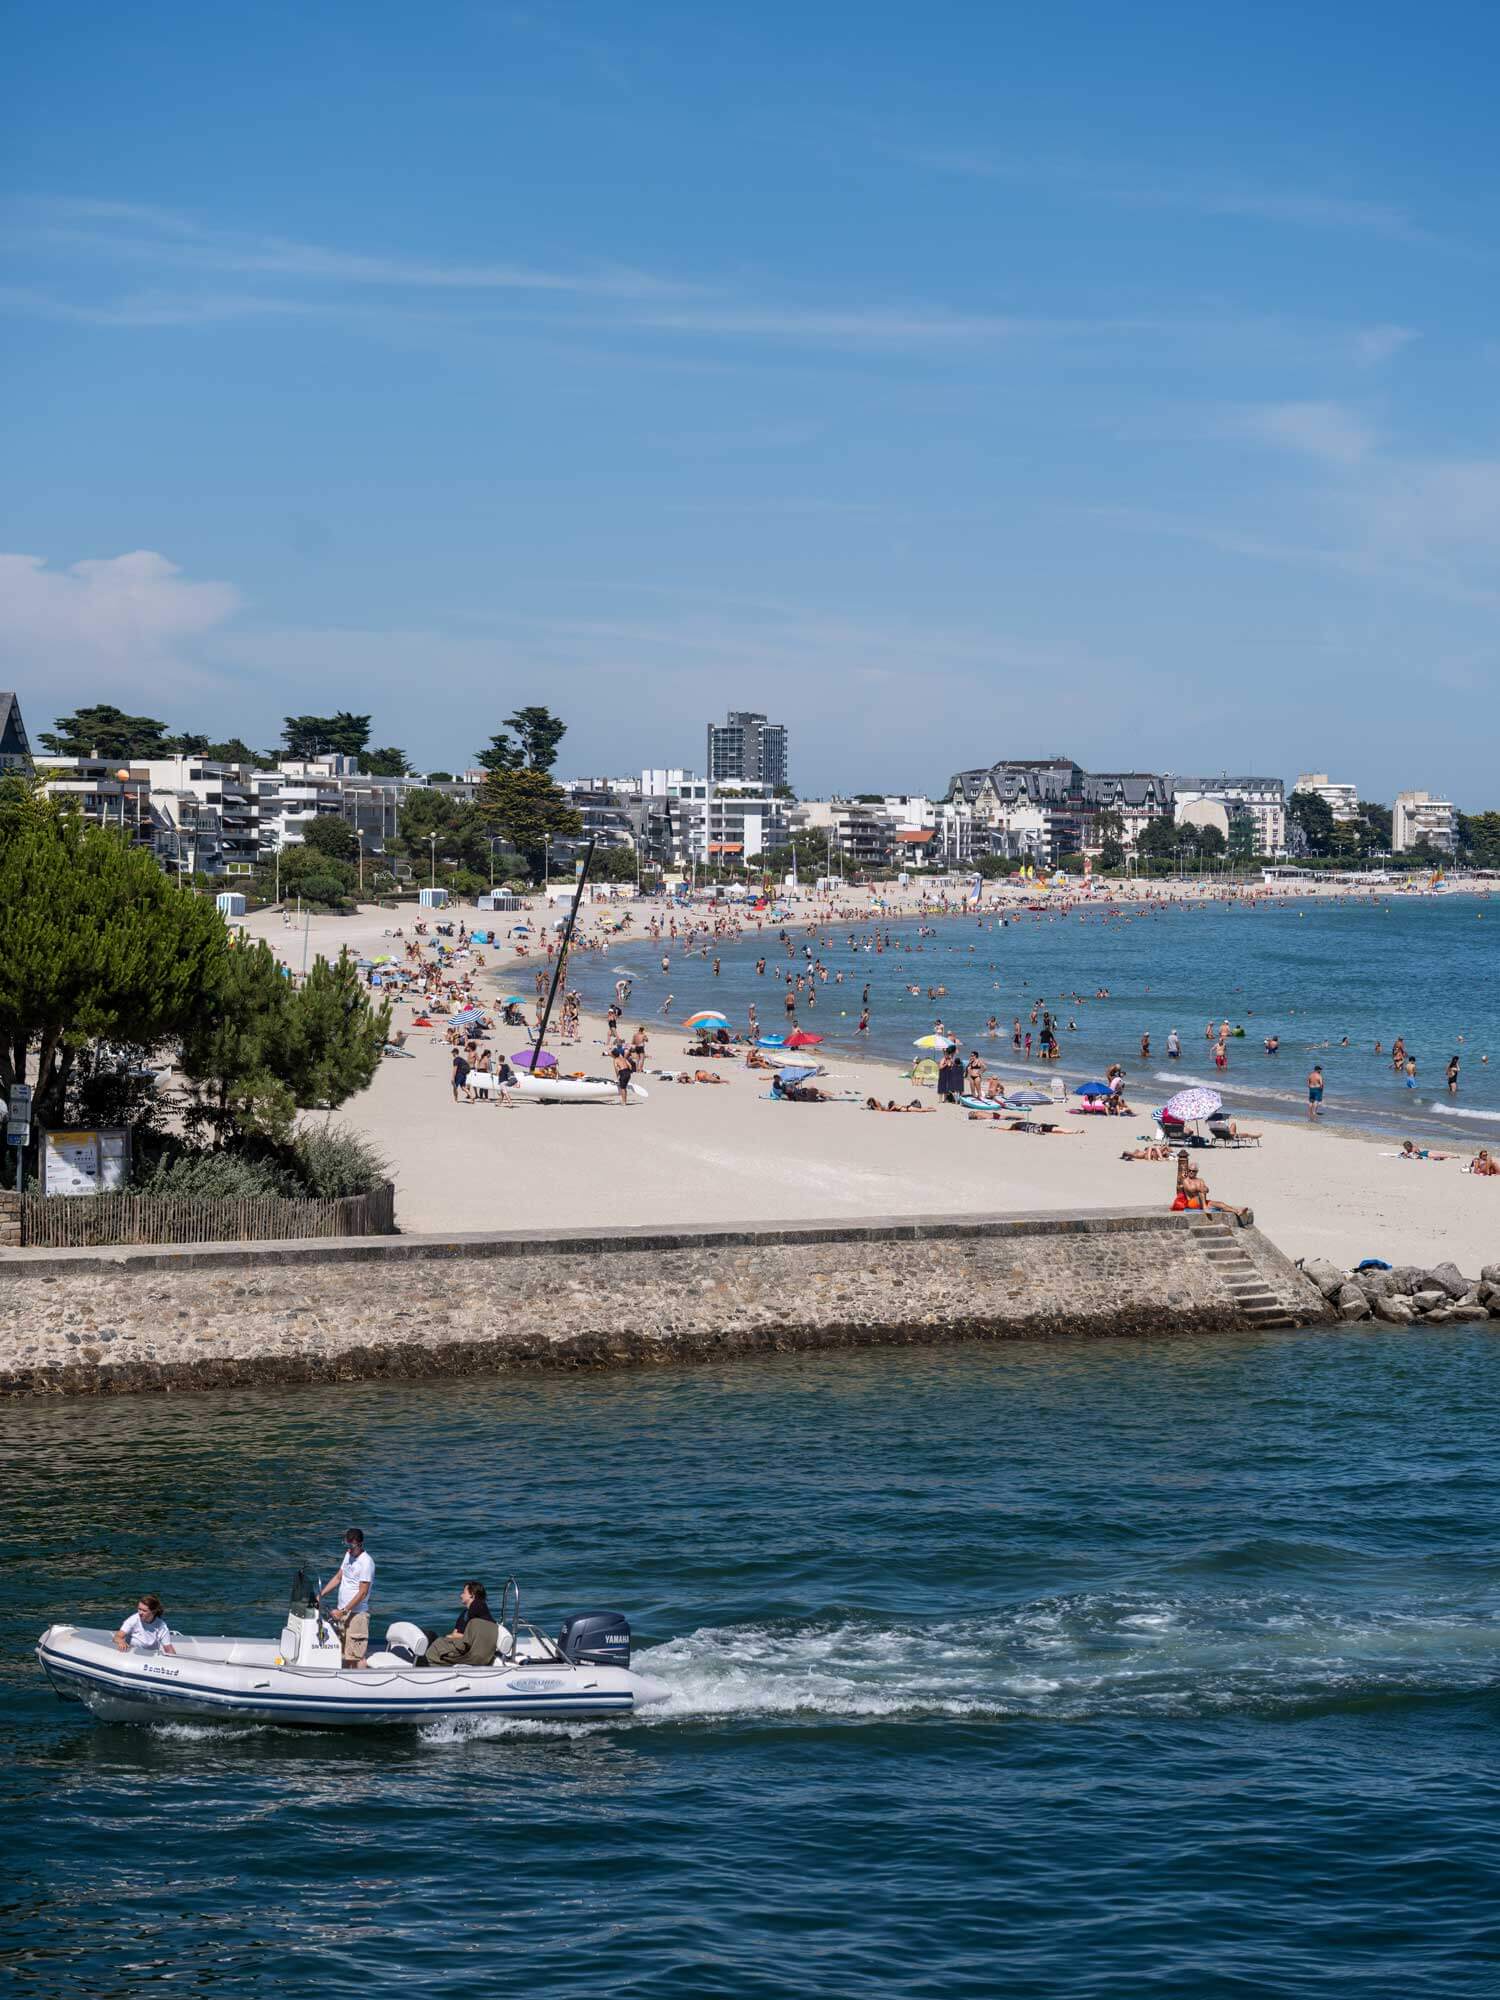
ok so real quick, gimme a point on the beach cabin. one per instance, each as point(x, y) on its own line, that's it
point(433, 899)
point(230, 903)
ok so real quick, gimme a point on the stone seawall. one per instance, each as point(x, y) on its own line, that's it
point(211, 1315)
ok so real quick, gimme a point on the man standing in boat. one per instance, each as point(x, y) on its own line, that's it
point(355, 1581)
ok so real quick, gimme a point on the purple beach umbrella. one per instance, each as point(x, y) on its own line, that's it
point(525, 1060)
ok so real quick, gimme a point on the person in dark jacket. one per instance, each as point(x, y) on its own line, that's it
point(475, 1638)
point(950, 1080)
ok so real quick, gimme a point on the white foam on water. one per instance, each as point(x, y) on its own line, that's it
point(1090, 1655)
point(1183, 1080)
point(1463, 1111)
point(473, 1728)
point(207, 1732)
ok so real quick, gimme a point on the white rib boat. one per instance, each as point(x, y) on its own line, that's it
point(300, 1681)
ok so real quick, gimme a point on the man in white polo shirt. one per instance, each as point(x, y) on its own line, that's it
point(355, 1581)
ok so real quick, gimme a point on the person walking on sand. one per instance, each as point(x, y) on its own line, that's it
point(1315, 1091)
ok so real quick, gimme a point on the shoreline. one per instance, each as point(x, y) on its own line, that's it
point(702, 1155)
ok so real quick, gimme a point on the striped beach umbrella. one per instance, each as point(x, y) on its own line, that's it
point(1195, 1102)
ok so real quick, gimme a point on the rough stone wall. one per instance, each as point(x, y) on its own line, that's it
point(10, 1220)
point(202, 1316)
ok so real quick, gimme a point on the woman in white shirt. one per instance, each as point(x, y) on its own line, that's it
point(145, 1630)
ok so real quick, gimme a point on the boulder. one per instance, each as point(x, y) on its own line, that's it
point(1324, 1275)
point(1447, 1278)
point(1396, 1312)
point(1467, 1309)
point(1356, 1307)
point(1376, 1284)
point(1408, 1278)
point(1441, 1317)
point(1491, 1274)
point(1429, 1301)
point(1487, 1292)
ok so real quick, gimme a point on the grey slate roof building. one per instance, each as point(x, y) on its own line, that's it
point(15, 745)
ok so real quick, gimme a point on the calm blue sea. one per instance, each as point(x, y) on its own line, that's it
point(1312, 973)
point(1112, 1669)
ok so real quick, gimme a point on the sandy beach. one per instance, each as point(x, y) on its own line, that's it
point(725, 1154)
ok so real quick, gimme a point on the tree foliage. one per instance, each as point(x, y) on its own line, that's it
point(538, 732)
point(265, 1049)
point(1479, 838)
point(331, 834)
point(342, 735)
point(526, 807)
point(103, 730)
point(462, 835)
point(1312, 816)
point(99, 946)
point(386, 763)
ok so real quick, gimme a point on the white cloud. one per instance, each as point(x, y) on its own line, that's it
point(1376, 344)
point(1326, 431)
point(108, 627)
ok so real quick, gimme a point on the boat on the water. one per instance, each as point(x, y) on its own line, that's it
point(299, 1680)
point(546, 1088)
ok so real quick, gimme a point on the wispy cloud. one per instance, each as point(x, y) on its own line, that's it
point(1198, 195)
point(132, 233)
point(1374, 345)
point(1326, 431)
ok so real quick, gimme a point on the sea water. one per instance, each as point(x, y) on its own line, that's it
point(1311, 973)
point(1089, 1669)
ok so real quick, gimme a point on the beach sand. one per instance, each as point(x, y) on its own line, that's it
point(700, 1154)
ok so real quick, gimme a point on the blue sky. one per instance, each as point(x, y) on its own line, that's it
point(953, 382)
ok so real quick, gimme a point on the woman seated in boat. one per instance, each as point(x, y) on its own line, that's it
point(475, 1638)
point(146, 1629)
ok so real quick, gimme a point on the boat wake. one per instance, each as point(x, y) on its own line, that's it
point(1076, 1658)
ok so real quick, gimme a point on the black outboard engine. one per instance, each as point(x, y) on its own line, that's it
point(595, 1639)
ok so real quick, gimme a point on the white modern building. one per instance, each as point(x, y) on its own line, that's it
point(1418, 816)
point(1342, 800)
point(724, 825)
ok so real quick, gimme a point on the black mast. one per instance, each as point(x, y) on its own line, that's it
point(562, 956)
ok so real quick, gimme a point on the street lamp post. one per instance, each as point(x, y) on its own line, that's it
point(359, 835)
point(546, 864)
point(432, 880)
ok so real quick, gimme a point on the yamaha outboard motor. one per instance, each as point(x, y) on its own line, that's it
point(595, 1639)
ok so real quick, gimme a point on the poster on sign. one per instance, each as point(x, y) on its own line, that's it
point(93, 1162)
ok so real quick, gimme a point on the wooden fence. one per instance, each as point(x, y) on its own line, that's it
point(89, 1221)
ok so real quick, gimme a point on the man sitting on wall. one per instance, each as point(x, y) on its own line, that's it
point(475, 1639)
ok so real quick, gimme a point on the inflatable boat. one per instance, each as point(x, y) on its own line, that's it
point(545, 1088)
point(299, 1680)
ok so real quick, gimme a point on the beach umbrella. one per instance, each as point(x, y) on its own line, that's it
point(1195, 1102)
point(546, 1060)
point(801, 1039)
point(709, 1018)
point(1094, 1089)
point(1029, 1097)
point(934, 1042)
point(791, 1073)
point(466, 1017)
point(514, 1000)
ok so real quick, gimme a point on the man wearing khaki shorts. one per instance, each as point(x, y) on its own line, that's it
point(355, 1579)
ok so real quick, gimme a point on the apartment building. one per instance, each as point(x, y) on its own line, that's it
point(1418, 816)
point(747, 749)
point(1263, 800)
point(1341, 799)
